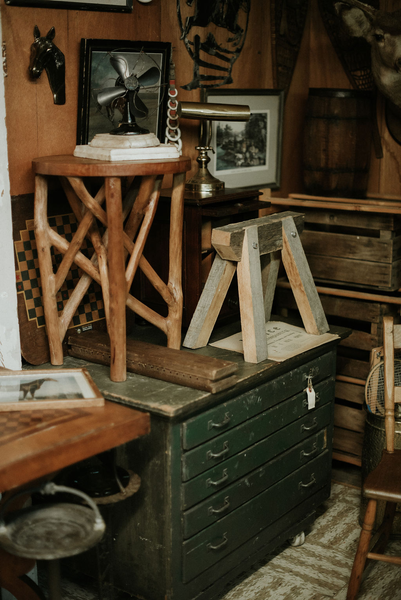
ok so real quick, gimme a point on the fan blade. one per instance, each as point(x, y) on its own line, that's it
point(150, 77)
point(120, 65)
point(137, 107)
point(107, 95)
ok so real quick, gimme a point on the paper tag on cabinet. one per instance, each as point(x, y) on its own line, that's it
point(310, 394)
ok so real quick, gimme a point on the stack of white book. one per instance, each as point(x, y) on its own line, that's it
point(106, 146)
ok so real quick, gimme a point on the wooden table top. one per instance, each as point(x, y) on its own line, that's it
point(71, 166)
point(36, 443)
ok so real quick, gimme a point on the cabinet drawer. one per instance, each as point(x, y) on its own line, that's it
point(213, 543)
point(221, 476)
point(231, 442)
point(226, 416)
point(222, 503)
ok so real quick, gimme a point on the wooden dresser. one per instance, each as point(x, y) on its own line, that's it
point(226, 477)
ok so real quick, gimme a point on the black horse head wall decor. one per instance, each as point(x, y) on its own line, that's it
point(46, 55)
point(229, 15)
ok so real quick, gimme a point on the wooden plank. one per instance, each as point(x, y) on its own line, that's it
point(347, 441)
point(270, 267)
point(363, 201)
point(302, 284)
point(210, 303)
point(352, 207)
point(251, 300)
point(347, 458)
point(357, 247)
point(176, 360)
point(352, 367)
point(350, 392)
point(339, 306)
point(339, 218)
point(350, 418)
point(228, 240)
point(361, 340)
point(349, 293)
point(349, 271)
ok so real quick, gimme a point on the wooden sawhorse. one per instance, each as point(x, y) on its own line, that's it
point(253, 248)
point(118, 252)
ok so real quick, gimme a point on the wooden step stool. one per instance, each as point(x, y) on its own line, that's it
point(253, 249)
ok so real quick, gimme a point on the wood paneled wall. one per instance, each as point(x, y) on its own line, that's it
point(37, 127)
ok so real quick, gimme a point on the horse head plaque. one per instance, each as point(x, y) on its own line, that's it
point(46, 55)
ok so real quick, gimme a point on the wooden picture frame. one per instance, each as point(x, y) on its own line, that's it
point(248, 154)
point(32, 389)
point(96, 73)
point(99, 5)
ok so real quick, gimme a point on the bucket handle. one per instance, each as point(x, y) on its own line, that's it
point(51, 488)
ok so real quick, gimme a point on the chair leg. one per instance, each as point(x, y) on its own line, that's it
point(385, 528)
point(362, 552)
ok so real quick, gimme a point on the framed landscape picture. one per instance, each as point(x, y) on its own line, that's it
point(248, 154)
point(48, 388)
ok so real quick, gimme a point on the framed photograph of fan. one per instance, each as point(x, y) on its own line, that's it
point(122, 81)
point(248, 154)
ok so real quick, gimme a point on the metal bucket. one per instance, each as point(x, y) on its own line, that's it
point(374, 441)
point(337, 142)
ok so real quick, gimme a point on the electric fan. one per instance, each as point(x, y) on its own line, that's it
point(374, 387)
point(128, 85)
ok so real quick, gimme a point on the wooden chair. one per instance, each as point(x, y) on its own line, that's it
point(384, 482)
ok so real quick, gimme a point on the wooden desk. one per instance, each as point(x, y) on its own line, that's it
point(125, 219)
point(34, 444)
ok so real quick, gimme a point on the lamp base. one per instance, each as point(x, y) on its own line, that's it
point(204, 183)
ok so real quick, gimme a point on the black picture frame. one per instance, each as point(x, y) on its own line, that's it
point(238, 160)
point(99, 5)
point(96, 72)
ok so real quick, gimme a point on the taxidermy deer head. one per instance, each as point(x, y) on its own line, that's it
point(382, 30)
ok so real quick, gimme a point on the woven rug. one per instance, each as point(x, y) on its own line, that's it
point(321, 567)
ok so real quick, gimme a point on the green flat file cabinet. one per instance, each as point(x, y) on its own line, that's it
point(226, 478)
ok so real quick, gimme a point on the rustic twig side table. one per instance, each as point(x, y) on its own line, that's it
point(125, 220)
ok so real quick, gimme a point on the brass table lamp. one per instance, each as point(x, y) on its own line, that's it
point(203, 181)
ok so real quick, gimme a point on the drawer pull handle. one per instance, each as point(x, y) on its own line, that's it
point(311, 453)
point(219, 546)
point(209, 482)
point(220, 425)
point(309, 427)
point(308, 485)
point(317, 399)
point(217, 511)
point(210, 454)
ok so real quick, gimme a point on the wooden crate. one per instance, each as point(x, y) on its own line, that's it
point(353, 248)
point(364, 317)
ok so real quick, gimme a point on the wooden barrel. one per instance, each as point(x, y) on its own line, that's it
point(337, 142)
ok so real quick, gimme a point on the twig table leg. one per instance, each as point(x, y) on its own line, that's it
point(118, 293)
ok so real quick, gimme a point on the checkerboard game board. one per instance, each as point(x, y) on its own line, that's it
point(91, 308)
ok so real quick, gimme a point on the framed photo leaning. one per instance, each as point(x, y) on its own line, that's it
point(101, 5)
point(97, 74)
point(48, 388)
point(248, 154)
